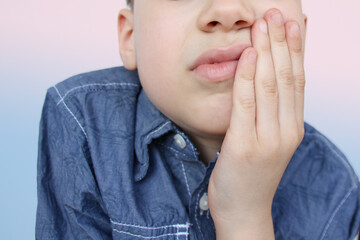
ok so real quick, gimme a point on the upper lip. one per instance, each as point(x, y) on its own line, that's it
point(219, 55)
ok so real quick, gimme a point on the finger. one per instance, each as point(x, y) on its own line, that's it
point(267, 120)
point(283, 70)
point(242, 122)
point(294, 40)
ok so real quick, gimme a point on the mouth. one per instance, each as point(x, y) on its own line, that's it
point(216, 65)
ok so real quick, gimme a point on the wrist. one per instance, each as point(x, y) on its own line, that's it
point(255, 230)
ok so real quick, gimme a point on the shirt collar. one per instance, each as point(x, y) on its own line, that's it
point(150, 124)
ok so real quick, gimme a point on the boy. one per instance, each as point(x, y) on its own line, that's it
point(200, 136)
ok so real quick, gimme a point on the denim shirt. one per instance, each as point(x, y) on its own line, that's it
point(112, 166)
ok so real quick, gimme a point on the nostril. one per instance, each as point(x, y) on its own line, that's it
point(213, 23)
point(240, 23)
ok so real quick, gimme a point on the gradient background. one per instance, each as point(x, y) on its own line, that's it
point(44, 42)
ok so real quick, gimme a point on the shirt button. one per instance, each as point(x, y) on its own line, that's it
point(179, 140)
point(203, 204)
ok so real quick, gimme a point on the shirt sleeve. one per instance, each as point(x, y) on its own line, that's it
point(69, 202)
point(345, 220)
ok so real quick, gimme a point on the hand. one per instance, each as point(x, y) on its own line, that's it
point(266, 127)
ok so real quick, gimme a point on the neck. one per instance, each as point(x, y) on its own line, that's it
point(207, 147)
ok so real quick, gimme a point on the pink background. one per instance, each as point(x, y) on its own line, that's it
point(43, 42)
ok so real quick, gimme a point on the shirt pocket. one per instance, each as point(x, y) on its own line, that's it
point(127, 231)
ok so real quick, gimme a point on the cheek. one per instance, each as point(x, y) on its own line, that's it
point(157, 55)
point(158, 48)
point(159, 35)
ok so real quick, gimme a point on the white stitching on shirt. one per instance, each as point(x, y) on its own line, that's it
point(96, 84)
point(186, 180)
point(177, 231)
point(164, 235)
point(182, 165)
point(336, 211)
point(82, 129)
point(156, 130)
point(144, 227)
point(173, 149)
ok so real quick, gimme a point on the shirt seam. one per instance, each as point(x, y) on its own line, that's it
point(182, 165)
point(67, 94)
point(145, 227)
point(150, 135)
point(95, 84)
point(181, 229)
point(71, 113)
point(332, 217)
point(186, 180)
point(84, 150)
point(152, 237)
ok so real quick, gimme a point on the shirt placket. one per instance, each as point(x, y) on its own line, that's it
point(200, 214)
point(202, 225)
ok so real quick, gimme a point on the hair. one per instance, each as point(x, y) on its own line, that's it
point(130, 3)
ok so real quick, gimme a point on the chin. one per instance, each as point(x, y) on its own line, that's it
point(215, 124)
point(218, 130)
point(214, 127)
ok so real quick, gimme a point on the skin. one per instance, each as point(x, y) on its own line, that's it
point(255, 118)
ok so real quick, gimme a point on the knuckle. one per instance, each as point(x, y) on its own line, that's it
point(297, 51)
point(270, 87)
point(246, 103)
point(280, 39)
point(286, 76)
point(300, 82)
point(264, 47)
point(246, 76)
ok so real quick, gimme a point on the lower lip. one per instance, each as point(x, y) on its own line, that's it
point(217, 72)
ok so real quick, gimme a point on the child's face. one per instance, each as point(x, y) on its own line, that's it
point(168, 37)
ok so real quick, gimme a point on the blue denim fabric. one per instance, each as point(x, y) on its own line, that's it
point(109, 168)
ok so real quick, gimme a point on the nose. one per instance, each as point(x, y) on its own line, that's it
point(226, 15)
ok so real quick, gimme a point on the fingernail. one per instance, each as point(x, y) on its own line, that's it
point(276, 19)
point(252, 56)
point(294, 29)
point(263, 26)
